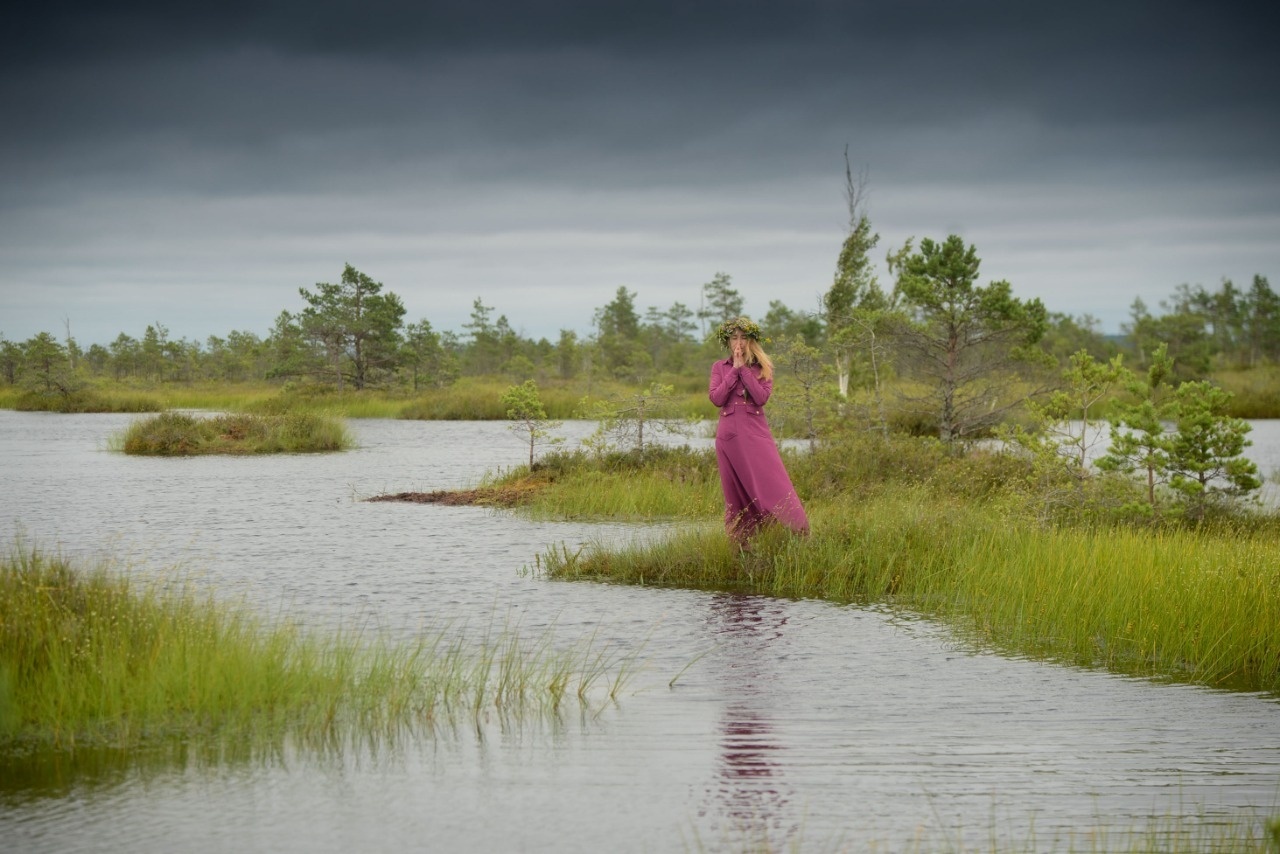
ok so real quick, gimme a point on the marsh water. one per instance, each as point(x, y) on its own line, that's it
point(789, 723)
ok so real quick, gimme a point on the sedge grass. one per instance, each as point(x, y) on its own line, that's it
point(94, 657)
point(1200, 606)
point(182, 434)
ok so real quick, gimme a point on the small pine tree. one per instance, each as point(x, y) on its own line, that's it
point(1205, 452)
point(1138, 441)
point(1201, 458)
point(524, 407)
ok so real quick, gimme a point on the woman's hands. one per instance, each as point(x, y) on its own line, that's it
point(739, 352)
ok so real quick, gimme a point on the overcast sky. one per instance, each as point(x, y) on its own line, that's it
point(194, 165)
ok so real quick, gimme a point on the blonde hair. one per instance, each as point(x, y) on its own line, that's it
point(755, 353)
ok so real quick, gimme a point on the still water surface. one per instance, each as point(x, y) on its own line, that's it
point(795, 721)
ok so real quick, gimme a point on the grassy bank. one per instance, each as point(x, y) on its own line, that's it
point(172, 434)
point(1013, 557)
point(89, 656)
point(1200, 606)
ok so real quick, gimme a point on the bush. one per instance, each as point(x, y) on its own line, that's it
point(179, 434)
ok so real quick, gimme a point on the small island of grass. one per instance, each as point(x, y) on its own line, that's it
point(176, 434)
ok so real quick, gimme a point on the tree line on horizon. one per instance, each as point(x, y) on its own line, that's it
point(353, 335)
point(936, 325)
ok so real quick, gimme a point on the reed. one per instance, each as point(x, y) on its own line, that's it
point(1196, 605)
point(181, 434)
point(94, 657)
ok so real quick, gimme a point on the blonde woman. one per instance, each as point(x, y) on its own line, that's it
point(756, 485)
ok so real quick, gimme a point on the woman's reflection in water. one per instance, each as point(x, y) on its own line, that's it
point(750, 791)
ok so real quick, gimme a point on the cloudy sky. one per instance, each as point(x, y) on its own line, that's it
point(195, 164)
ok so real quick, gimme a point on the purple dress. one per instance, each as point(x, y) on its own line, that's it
point(755, 483)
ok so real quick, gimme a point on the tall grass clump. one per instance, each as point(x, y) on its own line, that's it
point(93, 657)
point(181, 434)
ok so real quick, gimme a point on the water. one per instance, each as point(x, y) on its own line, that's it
point(794, 722)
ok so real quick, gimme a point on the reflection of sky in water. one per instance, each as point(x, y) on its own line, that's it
point(787, 719)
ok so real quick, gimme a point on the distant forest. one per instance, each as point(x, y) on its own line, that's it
point(352, 334)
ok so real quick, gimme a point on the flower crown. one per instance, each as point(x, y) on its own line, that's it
point(745, 325)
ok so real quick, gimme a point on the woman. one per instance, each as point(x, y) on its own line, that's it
point(755, 483)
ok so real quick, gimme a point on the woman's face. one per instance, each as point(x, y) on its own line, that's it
point(738, 344)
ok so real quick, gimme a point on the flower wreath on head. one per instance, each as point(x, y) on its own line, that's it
point(745, 325)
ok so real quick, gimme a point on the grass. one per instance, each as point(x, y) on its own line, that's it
point(178, 434)
point(91, 657)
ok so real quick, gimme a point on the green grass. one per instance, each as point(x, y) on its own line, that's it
point(93, 657)
point(178, 434)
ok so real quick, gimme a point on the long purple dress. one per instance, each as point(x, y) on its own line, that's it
point(755, 483)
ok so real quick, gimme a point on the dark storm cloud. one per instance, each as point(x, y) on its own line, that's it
point(1076, 62)
point(622, 82)
point(167, 142)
